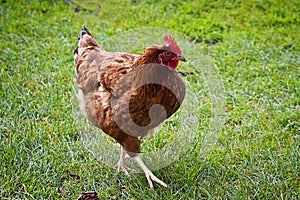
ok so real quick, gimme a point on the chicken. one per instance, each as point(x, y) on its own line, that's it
point(128, 95)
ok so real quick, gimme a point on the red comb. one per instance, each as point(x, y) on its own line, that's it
point(172, 44)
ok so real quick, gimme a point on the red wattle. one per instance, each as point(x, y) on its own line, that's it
point(173, 64)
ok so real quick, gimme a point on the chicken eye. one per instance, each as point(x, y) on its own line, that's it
point(168, 54)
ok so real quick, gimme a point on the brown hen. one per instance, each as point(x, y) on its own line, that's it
point(127, 95)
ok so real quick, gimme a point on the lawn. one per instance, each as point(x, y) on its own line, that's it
point(254, 48)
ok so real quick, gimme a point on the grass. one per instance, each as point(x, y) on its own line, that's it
point(254, 44)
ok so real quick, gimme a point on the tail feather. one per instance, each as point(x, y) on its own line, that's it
point(86, 42)
point(75, 51)
point(84, 31)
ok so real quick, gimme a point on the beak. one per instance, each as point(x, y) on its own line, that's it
point(180, 57)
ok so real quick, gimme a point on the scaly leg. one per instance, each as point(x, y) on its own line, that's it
point(121, 164)
point(149, 175)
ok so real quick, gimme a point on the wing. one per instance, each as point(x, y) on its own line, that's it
point(155, 93)
point(96, 77)
point(97, 74)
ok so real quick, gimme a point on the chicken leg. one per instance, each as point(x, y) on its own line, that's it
point(121, 163)
point(149, 175)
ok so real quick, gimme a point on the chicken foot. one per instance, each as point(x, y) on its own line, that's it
point(149, 175)
point(121, 165)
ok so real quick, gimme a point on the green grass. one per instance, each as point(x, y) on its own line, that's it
point(255, 45)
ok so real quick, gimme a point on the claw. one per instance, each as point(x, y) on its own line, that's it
point(121, 163)
point(149, 175)
point(122, 166)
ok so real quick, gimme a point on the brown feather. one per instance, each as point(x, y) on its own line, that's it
point(119, 91)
